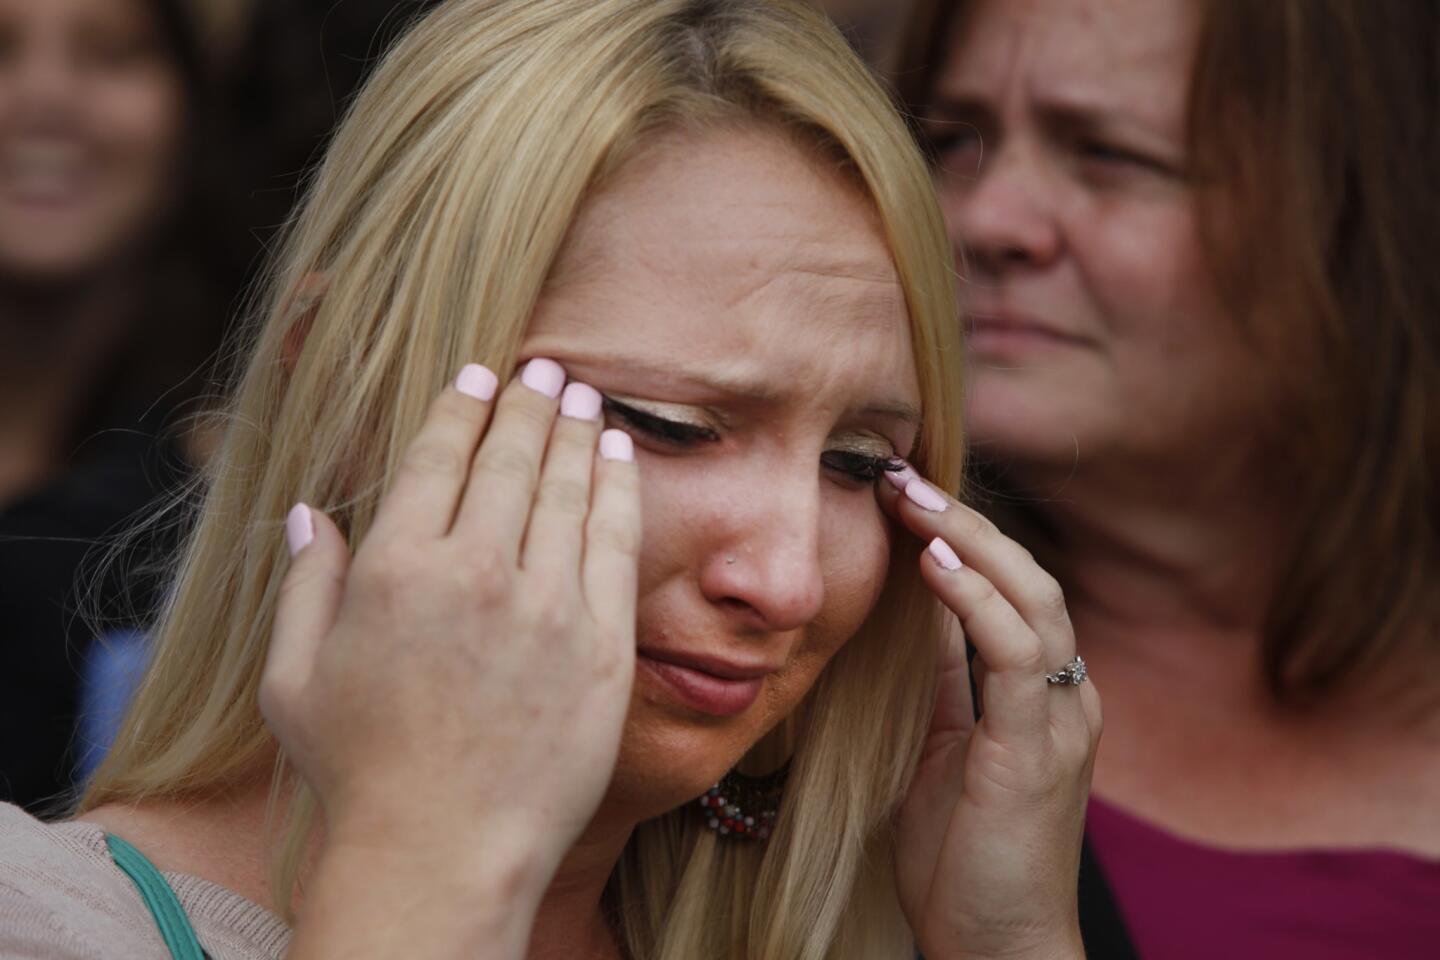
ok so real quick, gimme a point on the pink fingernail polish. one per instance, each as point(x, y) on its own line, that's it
point(581, 402)
point(617, 445)
point(943, 555)
point(477, 381)
point(899, 479)
point(922, 495)
point(544, 376)
point(299, 528)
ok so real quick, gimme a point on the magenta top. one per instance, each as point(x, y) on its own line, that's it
point(1183, 900)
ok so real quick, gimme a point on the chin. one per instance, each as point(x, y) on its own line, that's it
point(1010, 420)
point(49, 260)
point(668, 760)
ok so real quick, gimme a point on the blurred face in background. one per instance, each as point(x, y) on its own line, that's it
point(1094, 323)
point(91, 118)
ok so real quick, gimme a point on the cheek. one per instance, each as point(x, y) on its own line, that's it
point(855, 560)
point(855, 540)
point(1143, 265)
point(665, 542)
point(139, 121)
point(855, 555)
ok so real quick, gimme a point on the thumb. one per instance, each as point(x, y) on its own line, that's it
point(308, 603)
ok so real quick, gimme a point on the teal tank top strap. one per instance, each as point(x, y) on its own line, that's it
point(160, 898)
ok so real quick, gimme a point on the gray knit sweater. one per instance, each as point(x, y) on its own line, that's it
point(63, 898)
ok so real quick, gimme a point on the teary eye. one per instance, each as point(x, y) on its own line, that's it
point(659, 428)
point(854, 468)
point(860, 468)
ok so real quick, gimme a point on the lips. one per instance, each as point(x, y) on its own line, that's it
point(42, 173)
point(989, 331)
point(707, 684)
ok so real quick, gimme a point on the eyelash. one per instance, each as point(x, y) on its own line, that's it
point(946, 139)
point(1095, 151)
point(860, 468)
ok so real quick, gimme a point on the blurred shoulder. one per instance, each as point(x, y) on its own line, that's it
point(61, 896)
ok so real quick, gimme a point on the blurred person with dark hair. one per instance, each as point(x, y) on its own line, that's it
point(295, 71)
point(109, 301)
point(1196, 241)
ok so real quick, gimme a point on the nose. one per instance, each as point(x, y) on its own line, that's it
point(44, 81)
point(764, 568)
point(1004, 218)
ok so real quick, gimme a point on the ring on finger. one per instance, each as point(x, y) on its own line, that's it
point(1072, 674)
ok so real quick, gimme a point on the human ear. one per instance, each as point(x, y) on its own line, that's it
point(299, 312)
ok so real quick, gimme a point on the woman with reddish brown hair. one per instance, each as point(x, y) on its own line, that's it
point(1195, 241)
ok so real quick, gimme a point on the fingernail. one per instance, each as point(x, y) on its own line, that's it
point(581, 402)
point(899, 479)
point(923, 496)
point(544, 376)
point(477, 381)
point(617, 445)
point(943, 555)
point(299, 528)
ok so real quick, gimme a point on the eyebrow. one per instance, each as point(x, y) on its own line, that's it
point(718, 379)
point(1077, 116)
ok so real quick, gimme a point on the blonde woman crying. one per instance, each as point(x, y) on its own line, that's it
point(578, 577)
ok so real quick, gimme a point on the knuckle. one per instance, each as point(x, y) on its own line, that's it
point(508, 463)
point(552, 615)
point(532, 411)
point(614, 535)
point(1097, 730)
point(1096, 716)
point(434, 458)
point(1077, 755)
point(979, 524)
point(386, 584)
point(484, 575)
point(1029, 653)
point(984, 593)
point(488, 563)
point(564, 495)
point(385, 568)
point(489, 568)
point(1052, 598)
point(576, 433)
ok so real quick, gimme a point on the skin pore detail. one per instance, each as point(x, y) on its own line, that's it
point(755, 344)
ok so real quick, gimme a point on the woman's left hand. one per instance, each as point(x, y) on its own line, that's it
point(989, 838)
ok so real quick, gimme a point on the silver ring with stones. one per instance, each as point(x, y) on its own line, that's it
point(1072, 674)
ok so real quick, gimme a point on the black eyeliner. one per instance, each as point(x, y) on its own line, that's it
point(669, 430)
point(862, 466)
point(859, 467)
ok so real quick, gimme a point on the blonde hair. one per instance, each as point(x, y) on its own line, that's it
point(437, 217)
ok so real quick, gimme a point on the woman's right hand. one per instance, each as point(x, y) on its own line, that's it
point(460, 686)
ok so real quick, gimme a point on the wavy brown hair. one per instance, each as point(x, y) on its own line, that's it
point(1314, 135)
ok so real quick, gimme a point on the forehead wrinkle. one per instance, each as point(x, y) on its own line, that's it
point(840, 285)
point(1077, 78)
point(746, 286)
